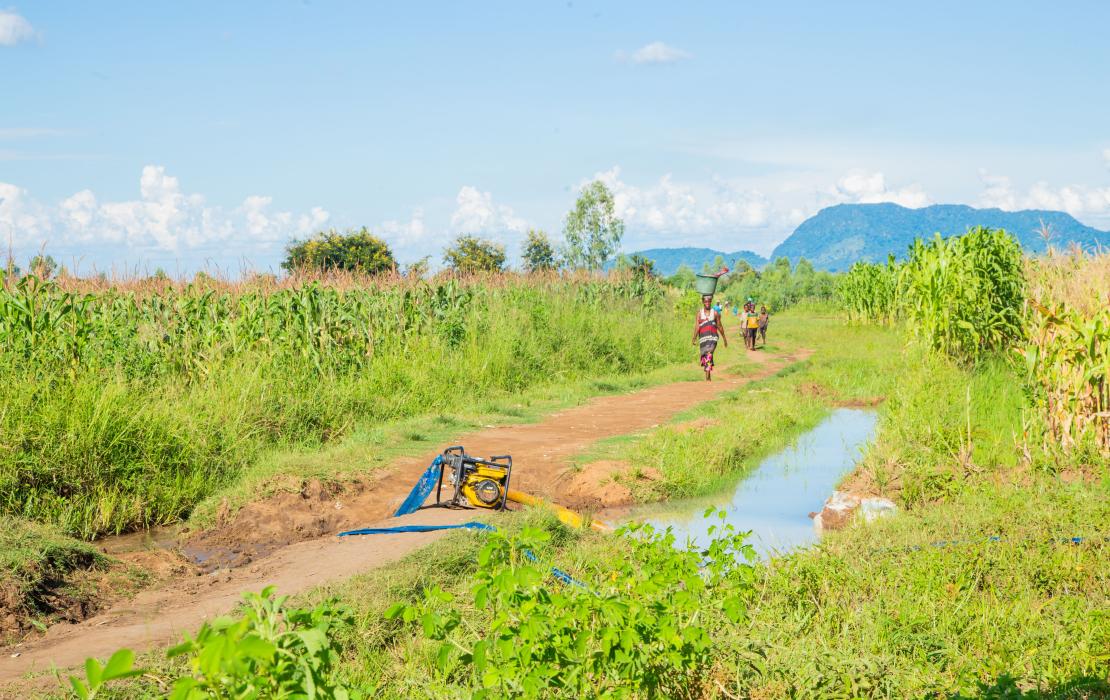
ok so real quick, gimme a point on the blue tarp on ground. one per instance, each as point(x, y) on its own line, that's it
point(417, 528)
point(422, 489)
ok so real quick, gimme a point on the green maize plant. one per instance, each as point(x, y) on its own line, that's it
point(1067, 358)
point(869, 292)
point(964, 295)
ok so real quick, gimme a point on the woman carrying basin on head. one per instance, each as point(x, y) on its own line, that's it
point(707, 328)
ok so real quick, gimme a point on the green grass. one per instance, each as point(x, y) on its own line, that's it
point(873, 611)
point(132, 409)
point(868, 615)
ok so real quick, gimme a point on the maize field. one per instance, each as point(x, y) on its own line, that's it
point(972, 295)
point(124, 405)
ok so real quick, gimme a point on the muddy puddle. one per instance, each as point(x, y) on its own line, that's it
point(207, 558)
point(775, 500)
point(165, 537)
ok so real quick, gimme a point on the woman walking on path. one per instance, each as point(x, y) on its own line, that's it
point(708, 326)
point(764, 319)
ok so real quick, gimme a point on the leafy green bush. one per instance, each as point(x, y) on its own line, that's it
point(269, 652)
point(356, 251)
point(779, 287)
point(642, 627)
point(538, 254)
point(471, 254)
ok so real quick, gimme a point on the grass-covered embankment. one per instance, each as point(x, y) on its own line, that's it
point(124, 407)
point(879, 611)
point(44, 576)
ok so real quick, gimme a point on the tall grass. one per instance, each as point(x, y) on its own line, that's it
point(125, 406)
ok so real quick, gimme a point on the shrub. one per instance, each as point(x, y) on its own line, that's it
point(270, 652)
point(472, 254)
point(539, 254)
point(640, 629)
point(356, 251)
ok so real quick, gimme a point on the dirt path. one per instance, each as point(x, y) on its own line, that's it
point(541, 456)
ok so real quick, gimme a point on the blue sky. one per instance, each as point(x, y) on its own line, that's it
point(186, 135)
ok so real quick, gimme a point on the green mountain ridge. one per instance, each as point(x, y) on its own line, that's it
point(838, 236)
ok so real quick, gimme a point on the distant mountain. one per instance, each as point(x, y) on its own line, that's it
point(836, 237)
point(668, 260)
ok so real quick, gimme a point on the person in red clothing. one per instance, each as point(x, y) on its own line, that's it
point(708, 328)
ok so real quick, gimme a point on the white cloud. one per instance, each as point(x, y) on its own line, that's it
point(655, 52)
point(411, 239)
point(998, 192)
point(163, 218)
point(476, 213)
point(22, 220)
point(668, 212)
point(1078, 200)
point(1106, 156)
point(860, 186)
point(14, 28)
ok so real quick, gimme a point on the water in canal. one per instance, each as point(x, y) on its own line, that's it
point(775, 500)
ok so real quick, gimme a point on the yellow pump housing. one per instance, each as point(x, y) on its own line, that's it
point(480, 483)
point(484, 487)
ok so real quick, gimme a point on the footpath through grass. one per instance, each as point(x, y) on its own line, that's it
point(705, 449)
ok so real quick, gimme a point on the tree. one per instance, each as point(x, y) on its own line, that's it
point(473, 254)
point(356, 251)
point(683, 278)
point(641, 266)
point(592, 229)
point(43, 267)
point(538, 253)
point(418, 269)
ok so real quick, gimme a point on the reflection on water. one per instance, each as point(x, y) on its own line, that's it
point(775, 500)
